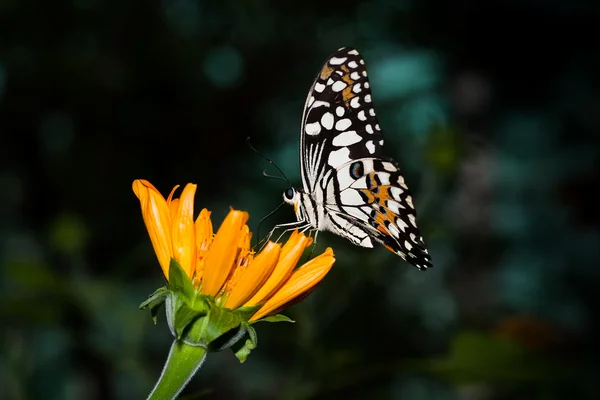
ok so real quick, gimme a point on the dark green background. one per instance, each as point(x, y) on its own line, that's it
point(491, 108)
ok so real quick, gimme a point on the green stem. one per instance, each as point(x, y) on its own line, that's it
point(182, 363)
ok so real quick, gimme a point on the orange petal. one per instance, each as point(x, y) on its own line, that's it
point(184, 230)
point(254, 275)
point(204, 229)
point(157, 219)
point(302, 280)
point(223, 252)
point(290, 255)
point(173, 203)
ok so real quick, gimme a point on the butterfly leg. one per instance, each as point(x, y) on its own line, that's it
point(289, 227)
point(303, 227)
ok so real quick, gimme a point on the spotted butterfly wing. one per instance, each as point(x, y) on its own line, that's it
point(349, 186)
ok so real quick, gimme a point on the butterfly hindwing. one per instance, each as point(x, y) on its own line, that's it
point(373, 193)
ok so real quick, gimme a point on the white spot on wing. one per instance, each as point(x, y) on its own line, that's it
point(368, 98)
point(409, 202)
point(384, 177)
point(369, 128)
point(343, 124)
point(388, 166)
point(352, 64)
point(339, 157)
point(337, 61)
point(372, 112)
point(327, 121)
point(339, 111)
point(381, 142)
point(393, 206)
point(412, 220)
point(370, 146)
point(367, 84)
point(355, 103)
point(362, 116)
point(394, 231)
point(346, 138)
point(320, 103)
point(396, 192)
point(356, 88)
point(366, 242)
point(353, 52)
point(319, 87)
point(401, 224)
point(312, 129)
point(338, 86)
point(354, 76)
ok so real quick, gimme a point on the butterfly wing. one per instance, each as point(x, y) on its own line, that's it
point(343, 166)
point(371, 192)
point(338, 124)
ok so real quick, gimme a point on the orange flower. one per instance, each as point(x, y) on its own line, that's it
point(223, 265)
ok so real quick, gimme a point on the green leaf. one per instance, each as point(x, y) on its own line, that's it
point(276, 318)
point(155, 301)
point(242, 351)
point(179, 281)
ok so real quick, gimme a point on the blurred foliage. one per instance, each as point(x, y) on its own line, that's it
point(492, 110)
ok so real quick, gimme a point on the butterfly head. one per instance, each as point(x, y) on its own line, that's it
point(292, 196)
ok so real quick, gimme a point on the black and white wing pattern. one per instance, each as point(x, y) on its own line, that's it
point(349, 186)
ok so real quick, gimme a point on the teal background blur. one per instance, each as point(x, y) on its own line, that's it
point(491, 108)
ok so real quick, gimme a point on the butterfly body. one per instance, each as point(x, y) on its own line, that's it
point(349, 187)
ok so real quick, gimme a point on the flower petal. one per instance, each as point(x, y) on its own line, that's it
point(173, 203)
point(255, 274)
point(223, 252)
point(184, 230)
point(204, 230)
point(290, 255)
point(302, 280)
point(157, 219)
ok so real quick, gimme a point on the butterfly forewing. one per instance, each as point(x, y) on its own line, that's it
point(339, 122)
point(362, 192)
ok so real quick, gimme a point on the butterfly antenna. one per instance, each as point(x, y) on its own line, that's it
point(267, 175)
point(269, 160)
point(262, 220)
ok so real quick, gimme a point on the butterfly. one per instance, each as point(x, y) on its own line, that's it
point(348, 186)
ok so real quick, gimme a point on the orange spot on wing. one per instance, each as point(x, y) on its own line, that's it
point(390, 248)
point(347, 93)
point(326, 72)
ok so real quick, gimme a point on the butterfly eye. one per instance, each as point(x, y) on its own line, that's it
point(289, 193)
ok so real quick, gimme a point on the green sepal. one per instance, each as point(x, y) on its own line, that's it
point(210, 327)
point(179, 281)
point(246, 312)
point(155, 301)
point(276, 318)
point(184, 316)
point(242, 350)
